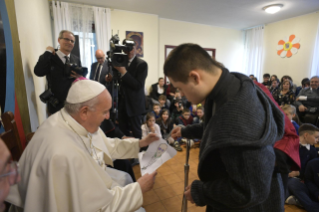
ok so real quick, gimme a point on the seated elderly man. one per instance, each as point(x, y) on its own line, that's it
point(63, 167)
point(306, 104)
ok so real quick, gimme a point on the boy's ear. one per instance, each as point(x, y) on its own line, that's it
point(194, 76)
point(293, 115)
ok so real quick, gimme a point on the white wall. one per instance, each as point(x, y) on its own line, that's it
point(140, 22)
point(35, 34)
point(299, 65)
point(227, 42)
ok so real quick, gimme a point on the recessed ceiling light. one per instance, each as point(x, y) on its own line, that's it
point(273, 8)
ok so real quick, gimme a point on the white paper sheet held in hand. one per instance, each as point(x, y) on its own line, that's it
point(157, 153)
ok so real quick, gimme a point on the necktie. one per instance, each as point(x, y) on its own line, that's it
point(97, 76)
point(67, 60)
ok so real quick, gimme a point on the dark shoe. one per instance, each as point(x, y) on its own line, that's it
point(177, 146)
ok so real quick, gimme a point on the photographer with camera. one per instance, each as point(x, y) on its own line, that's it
point(132, 96)
point(61, 69)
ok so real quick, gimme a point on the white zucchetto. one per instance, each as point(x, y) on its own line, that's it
point(84, 90)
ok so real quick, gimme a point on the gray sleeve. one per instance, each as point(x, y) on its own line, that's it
point(193, 131)
point(246, 181)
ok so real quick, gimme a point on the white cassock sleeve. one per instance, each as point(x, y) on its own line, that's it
point(122, 148)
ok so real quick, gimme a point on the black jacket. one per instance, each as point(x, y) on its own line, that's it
point(132, 88)
point(104, 72)
point(53, 68)
point(237, 158)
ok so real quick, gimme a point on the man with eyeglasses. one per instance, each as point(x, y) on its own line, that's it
point(53, 65)
point(9, 174)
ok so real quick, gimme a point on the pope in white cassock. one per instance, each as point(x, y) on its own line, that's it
point(63, 167)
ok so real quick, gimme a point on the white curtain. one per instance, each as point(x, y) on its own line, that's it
point(82, 20)
point(62, 19)
point(102, 19)
point(315, 59)
point(253, 52)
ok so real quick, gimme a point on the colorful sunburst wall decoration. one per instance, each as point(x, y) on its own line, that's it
point(288, 46)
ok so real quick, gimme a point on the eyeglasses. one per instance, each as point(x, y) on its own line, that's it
point(68, 40)
point(13, 172)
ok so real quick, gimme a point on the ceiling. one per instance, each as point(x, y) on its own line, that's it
point(235, 14)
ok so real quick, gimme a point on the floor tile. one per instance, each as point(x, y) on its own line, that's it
point(172, 178)
point(165, 192)
point(172, 204)
point(150, 197)
point(155, 207)
point(160, 182)
point(178, 187)
point(196, 209)
point(165, 170)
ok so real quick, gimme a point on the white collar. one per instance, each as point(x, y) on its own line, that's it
point(130, 61)
point(74, 124)
point(306, 145)
point(61, 54)
point(97, 140)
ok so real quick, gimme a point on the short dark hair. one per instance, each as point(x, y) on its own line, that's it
point(187, 57)
point(305, 82)
point(156, 104)
point(308, 128)
point(266, 75)
point(274, 76)
point(162, 97)
point(286, 77)
point(251, 75)
point(160, 78)
point(186, 110)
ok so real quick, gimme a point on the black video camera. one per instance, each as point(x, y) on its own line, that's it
point(116, 54)
point(48, 97)
point(77, 69)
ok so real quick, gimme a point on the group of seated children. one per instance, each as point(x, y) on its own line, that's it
point(162, 120)
point(303, 185)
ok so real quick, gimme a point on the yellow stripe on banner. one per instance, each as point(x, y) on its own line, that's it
point(19, 81)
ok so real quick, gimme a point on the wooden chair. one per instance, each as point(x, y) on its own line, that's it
point(11, 136)
point(28, 137)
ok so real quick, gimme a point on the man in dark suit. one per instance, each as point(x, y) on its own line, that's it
point(100, 71)
point(53, 64)
point(132, 95)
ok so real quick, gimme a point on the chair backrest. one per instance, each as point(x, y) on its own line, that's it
point(11, 136)
point(28, 137)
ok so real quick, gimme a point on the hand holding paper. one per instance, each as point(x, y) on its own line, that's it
point(157, 153)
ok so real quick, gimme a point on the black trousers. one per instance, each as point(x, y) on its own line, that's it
point(130, 126)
